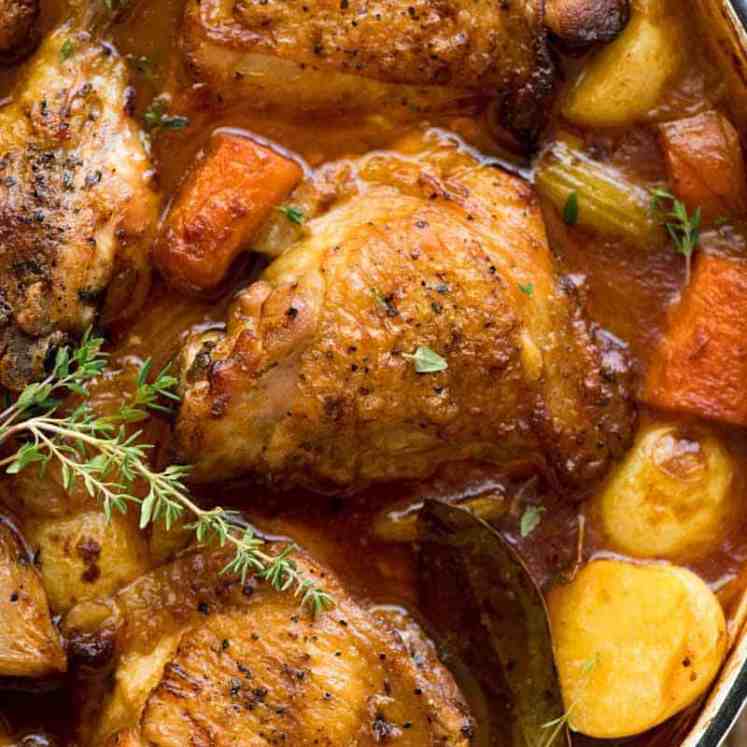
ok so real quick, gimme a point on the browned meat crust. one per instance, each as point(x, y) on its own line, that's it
point(200, 659)
point(76, 207)
point(312, 383)
point(420, 56)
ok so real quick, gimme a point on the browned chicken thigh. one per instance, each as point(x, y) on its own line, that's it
point(414, 57)
point(76, 204)
point(200, 659)
point(315, 379)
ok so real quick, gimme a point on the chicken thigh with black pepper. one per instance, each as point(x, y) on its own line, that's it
point(429, 252)
point(200, 658)
point(406, 58)
point(76, 202)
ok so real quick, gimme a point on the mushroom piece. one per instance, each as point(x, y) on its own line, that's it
point(17, 28)
point(578, 23)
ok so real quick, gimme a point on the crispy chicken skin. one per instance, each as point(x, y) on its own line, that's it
point(420, 56)
point(200, 659)
point(76, 205)
point(30, 645)
point(313, 383)
point(17, 20)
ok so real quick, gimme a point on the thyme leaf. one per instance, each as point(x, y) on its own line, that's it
point(570, 209)
point(559, 725)
point(426, 360)
point(527, 289)
point(683, 228)
point(66, 50)
point(530, 519)
point(293, 214)
point(156, 117)
point(114, 6)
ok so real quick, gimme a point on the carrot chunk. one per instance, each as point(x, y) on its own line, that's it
point(229, 193)
point(701, 365)
point(704, 163)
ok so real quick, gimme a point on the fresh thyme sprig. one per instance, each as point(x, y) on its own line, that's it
point(98, 452)
point(280, 570)
point(683, 228)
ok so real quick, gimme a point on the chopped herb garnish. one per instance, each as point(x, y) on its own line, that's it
point(570, 209)
point(528, 288)
point(683, 228)
point(67, 49)
point(156, 117)
point(426, 360)
point(530, 519)
point(293, 214)
point(98, 453)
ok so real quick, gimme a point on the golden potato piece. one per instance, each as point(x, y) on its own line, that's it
point(625, 80)
point(84, 556)
point(634, 644)
point(80, 554)
point(29, 643)
point(670, 497)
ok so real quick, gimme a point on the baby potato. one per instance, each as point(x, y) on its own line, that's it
point(670, 496)
point(85, 556)
point(626, 79)
point(634, 644)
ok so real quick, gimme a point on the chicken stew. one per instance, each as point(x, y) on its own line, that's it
point(373, 372)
